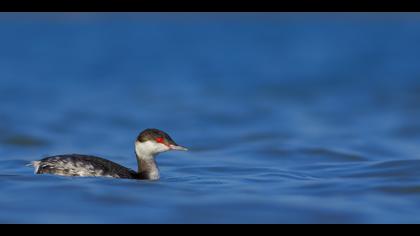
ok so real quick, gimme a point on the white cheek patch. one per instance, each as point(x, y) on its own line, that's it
point(150, 148)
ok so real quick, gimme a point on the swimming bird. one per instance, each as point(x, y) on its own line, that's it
point(148, 145)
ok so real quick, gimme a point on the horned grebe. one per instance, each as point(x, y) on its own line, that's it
point(149, 143)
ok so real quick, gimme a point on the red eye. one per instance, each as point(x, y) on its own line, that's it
point(159, 140)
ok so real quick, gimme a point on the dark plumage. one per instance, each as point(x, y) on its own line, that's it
point(153, 134)
point(83, 165)
point(149, 143)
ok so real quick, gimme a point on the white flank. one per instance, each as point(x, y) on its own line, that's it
point(35, 164)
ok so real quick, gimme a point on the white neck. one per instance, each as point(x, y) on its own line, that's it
point(147, 167)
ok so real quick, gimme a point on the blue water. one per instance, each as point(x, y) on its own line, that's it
point(290, 118)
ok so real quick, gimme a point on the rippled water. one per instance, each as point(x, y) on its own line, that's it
point(290, 118)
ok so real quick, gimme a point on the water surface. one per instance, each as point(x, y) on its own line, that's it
point(290, 118)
